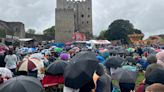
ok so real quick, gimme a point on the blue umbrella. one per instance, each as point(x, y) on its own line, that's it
point(105, 55)
point(101, 59)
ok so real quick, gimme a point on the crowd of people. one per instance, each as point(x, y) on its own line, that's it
point(74, 69)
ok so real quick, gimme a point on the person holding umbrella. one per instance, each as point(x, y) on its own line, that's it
point(21, 84)
point(78, 74)
point(104, 81)
point(53, 79)
point(113, 63)
point(126, 79)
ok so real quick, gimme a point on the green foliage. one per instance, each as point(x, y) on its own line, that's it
point(102, 35)
point(50, 31)
point(119, 30)
point(31, 31)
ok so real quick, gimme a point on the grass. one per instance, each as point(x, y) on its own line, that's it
point(140, 78)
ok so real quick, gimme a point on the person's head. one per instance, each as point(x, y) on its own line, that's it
point(10, 52)
point(152, 59)
point(155, 88)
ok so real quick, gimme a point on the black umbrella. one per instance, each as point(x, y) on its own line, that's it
point(130, 59)
point(156, 76)
point(56, 67)
point(114, 62)
point(124, 76)
point(100, 69)
point(80, 72)
point(112, 51)
point(21, 84)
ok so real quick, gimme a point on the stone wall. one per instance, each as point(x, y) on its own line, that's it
point(78, 15)
point(13, 28)
point(64, 25)
point(39, 38)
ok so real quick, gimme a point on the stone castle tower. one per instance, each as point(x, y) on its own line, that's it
point(73, 16)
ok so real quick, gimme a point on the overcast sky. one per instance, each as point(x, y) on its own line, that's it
point(146, 15)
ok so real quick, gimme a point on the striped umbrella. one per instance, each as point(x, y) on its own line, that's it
point(30, 64)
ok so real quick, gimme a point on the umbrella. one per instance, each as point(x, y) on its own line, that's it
point(67, 48)
point(130, 59)
point(130, 49)
point(100, 69)
point(31, 64)
point(21, 84)
point(2, 51)
point(114, 62)
point(52, 48)
point(57, 67)
point(68, 43)
point(39, 56)
point(46, 52)
point(30, 50)
point(80, 72)
point(4, 72)
point(101, 59)
point(57, 49)
point(158, 50)
point(124, 76)
point(148, 49)
point(105, 55)
point(155, 76)
point(64, 56)
point(112, 51)
point(3, 46)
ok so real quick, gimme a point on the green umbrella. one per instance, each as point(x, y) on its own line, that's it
point(130, 49)
point(58, 49)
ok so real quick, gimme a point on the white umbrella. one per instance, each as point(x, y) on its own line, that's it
point(4, 72)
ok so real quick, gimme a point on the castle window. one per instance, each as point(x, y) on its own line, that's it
point(82, 15)
point(88, 16)
point(87, 22)
point(88, 8)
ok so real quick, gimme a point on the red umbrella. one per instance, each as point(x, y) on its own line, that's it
point(3, 46)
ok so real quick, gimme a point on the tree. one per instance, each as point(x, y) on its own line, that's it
point(50, 31)
point(31, 31)
point(102, 35)
point(119, 30)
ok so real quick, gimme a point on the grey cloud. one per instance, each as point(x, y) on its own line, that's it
point(146, 15)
